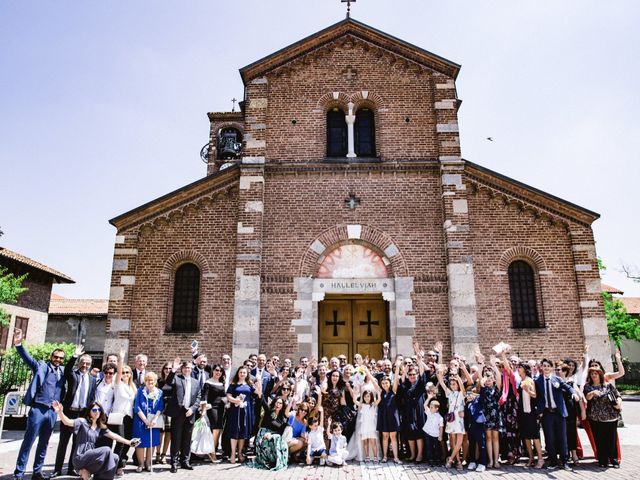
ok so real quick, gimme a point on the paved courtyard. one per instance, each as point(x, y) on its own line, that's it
point(588, 469)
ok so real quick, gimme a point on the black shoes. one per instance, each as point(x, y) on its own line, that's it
point(55, 474)
point(39, 476)
point(186, 466)
point(173, 468)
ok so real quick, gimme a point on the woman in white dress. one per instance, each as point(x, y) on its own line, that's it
point(121, 418)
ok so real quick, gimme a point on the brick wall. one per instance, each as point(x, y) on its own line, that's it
point(287, 197)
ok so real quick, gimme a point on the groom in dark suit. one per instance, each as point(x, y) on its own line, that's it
point(549, 388)
point(182, 409)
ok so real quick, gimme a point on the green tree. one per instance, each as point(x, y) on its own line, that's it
point(619, 323)
point(15, 372)
point(10, 289)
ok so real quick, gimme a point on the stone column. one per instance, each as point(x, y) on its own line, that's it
point(351, 120)
point(459, 251)
point(123, 279)
point(594, 323)
point(246, 313)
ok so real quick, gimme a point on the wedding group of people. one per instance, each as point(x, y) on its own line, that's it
point(413, 408)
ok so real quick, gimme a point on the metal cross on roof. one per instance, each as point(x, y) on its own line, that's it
point(348, 2)
point(233, 108)
point(352, 201)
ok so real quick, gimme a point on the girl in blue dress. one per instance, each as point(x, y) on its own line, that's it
point(240, 418)
point(388, 415)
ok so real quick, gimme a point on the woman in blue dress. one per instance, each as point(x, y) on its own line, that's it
point(239, 422)
point(90, 460)
point(147, 408)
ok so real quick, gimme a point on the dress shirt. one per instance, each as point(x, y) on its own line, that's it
point(186, 401)
point(548, 392)
point(80, 398)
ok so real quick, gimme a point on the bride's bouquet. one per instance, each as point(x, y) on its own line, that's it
point(359, 375)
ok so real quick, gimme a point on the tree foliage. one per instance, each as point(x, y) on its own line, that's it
point(619, 323)
point(10, 289)
point(14, 372)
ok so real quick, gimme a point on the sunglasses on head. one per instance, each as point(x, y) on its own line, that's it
point(96, 410)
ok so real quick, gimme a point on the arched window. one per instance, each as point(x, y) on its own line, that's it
point(365, 133)
point(186, 296)
point(522, 288)
point(336, 133)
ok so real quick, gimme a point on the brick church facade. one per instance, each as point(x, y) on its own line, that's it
point(337, 213)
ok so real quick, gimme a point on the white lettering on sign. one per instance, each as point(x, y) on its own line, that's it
point(353, 285)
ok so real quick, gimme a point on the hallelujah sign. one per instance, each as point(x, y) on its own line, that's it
point(353, 285)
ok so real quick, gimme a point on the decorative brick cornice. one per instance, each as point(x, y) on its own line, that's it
point(350, 31)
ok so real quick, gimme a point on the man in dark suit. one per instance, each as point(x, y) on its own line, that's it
point(47, 386)
point(140, 371)
point(549, 388)
point(182, 409)
point(265, 375)
point(81, 387)
point(199, 371)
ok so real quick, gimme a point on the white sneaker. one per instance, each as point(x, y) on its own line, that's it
point(322, 462)
point(471, 466)
point(481, 468)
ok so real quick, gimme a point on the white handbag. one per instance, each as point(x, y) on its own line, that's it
point(115, 418)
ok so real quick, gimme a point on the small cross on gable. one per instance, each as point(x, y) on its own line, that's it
point(352, 201)
point(349, 74)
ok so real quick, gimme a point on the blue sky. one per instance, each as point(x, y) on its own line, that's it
point(104, 105)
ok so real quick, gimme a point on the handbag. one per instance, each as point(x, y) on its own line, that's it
point(612, 397)
point(159, 422)
point(451, 416)
point(115, 418)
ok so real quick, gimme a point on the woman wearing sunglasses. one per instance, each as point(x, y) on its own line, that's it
point(121, 418)
point(87, 458)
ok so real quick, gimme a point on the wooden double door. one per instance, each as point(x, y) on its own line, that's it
point(352, 325)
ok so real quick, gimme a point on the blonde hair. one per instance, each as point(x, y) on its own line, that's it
point(130, 383)
point(152, 376)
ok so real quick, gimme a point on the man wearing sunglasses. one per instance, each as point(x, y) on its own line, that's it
point(80, 392)
point(47, 386)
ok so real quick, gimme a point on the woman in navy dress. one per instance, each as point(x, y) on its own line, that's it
point(100, 462)
point(147, 407)
point(239, 422)
point(388, 415)
point(413, 416)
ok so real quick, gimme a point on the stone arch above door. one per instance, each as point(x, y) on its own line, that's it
point(396, 288)
point(327, 241)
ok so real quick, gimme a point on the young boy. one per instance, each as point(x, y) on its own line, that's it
point(338, 450)
point(434, 428)
point(316, 446)
point(474, 424)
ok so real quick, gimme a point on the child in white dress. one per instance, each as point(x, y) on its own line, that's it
point(367, 423)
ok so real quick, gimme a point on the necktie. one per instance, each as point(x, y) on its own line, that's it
point(201, 374)
point(82, 401)
point(187, 393)
point(57, 370)
point(548, 392)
